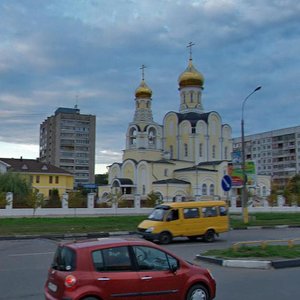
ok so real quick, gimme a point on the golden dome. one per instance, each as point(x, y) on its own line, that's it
point(190, 77)
point(143, 91)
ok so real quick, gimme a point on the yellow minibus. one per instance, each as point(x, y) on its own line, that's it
point(194, 219)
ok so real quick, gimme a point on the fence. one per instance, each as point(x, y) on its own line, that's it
point(9, 211)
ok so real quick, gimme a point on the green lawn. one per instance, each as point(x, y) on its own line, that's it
point(266, 219)
point(270, 251)
point(36, 225)
point(46, 225)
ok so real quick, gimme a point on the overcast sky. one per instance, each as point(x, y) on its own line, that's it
point(59, 53)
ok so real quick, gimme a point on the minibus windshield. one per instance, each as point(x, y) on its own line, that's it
point(159, 213)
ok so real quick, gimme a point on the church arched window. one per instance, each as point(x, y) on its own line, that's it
point(200, 150)
point(214, 151)
point(186, 150)
point(132, 136)
point(192, 97)
point(171, 152)
point(211, 189)
point(226, 152)
point(152, 137)
point(204, 189)
point(264, 191)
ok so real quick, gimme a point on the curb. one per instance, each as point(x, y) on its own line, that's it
point(251, 264)
point(266, 227)
point(64, 236)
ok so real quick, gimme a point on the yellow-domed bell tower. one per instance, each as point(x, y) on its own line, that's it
point(190, 86)
point(144, 136)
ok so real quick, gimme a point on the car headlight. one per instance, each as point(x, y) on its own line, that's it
point(210, 273)
point(150, 229)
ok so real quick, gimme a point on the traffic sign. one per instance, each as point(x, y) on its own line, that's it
point(226, 183)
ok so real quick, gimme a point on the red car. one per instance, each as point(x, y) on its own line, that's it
point(124, 268)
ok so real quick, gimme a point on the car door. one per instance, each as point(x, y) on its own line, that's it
point(159, 275)
point(115, 275)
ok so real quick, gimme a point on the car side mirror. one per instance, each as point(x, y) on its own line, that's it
point(174, 268)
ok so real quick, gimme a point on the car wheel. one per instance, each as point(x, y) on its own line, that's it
point(197, 292)
point(209, 236)
point(165, 238)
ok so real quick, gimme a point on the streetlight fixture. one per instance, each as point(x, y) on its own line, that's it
point(244, 188)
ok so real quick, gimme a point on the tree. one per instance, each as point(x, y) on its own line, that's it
point(292, 190)
point(114, 197)
point(153, 199)
point(35, 200)
point(3, 201)
point(17, 184)
point(77, 199)
point(101, 179)
point(54, 199)
point(275, 191)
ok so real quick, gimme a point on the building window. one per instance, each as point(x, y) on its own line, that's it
point(211, 189)
point(213, 151)
point(50, 179)
point(192, 97)
point(56, 179)
point(186, 153)
point(200, 149)
point(144, 190)
point(264, 191)
point(204, 189)
point(152, 136)
point(166, 172)
point(37, 179)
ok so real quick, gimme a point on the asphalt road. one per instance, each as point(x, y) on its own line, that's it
point(24, 264)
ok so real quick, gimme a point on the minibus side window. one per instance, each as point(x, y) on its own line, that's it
point(173, 215)
point(223, 211)
point(190, 213)
point(209, 211)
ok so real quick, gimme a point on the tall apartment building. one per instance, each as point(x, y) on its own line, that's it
point(276, 153)
point(67, 140)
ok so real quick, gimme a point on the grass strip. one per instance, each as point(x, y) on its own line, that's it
point(270, 251)
point(16, 226)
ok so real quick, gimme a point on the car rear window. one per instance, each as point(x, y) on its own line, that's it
point(64, 259)
point(112, 259)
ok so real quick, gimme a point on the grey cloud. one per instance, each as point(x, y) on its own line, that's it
point(89, 53)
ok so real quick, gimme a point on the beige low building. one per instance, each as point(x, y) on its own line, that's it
point(183, 159)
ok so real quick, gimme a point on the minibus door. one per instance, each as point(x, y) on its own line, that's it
point(174, 222)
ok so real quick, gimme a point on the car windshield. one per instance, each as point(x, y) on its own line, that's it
point(64, 259)
point(159, 213)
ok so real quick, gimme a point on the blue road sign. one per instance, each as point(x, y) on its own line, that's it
point(226, 183)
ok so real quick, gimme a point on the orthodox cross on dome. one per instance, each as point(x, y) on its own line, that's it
point(143, 67)
point(190, 45)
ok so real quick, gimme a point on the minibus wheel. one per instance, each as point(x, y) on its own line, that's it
point(165, 238)
point(209, 236)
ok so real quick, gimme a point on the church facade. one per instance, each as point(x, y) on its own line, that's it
point(184, 158)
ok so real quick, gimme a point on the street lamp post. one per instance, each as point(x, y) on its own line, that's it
point(244, 189)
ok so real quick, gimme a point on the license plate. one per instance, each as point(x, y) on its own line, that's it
point(52, 287)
